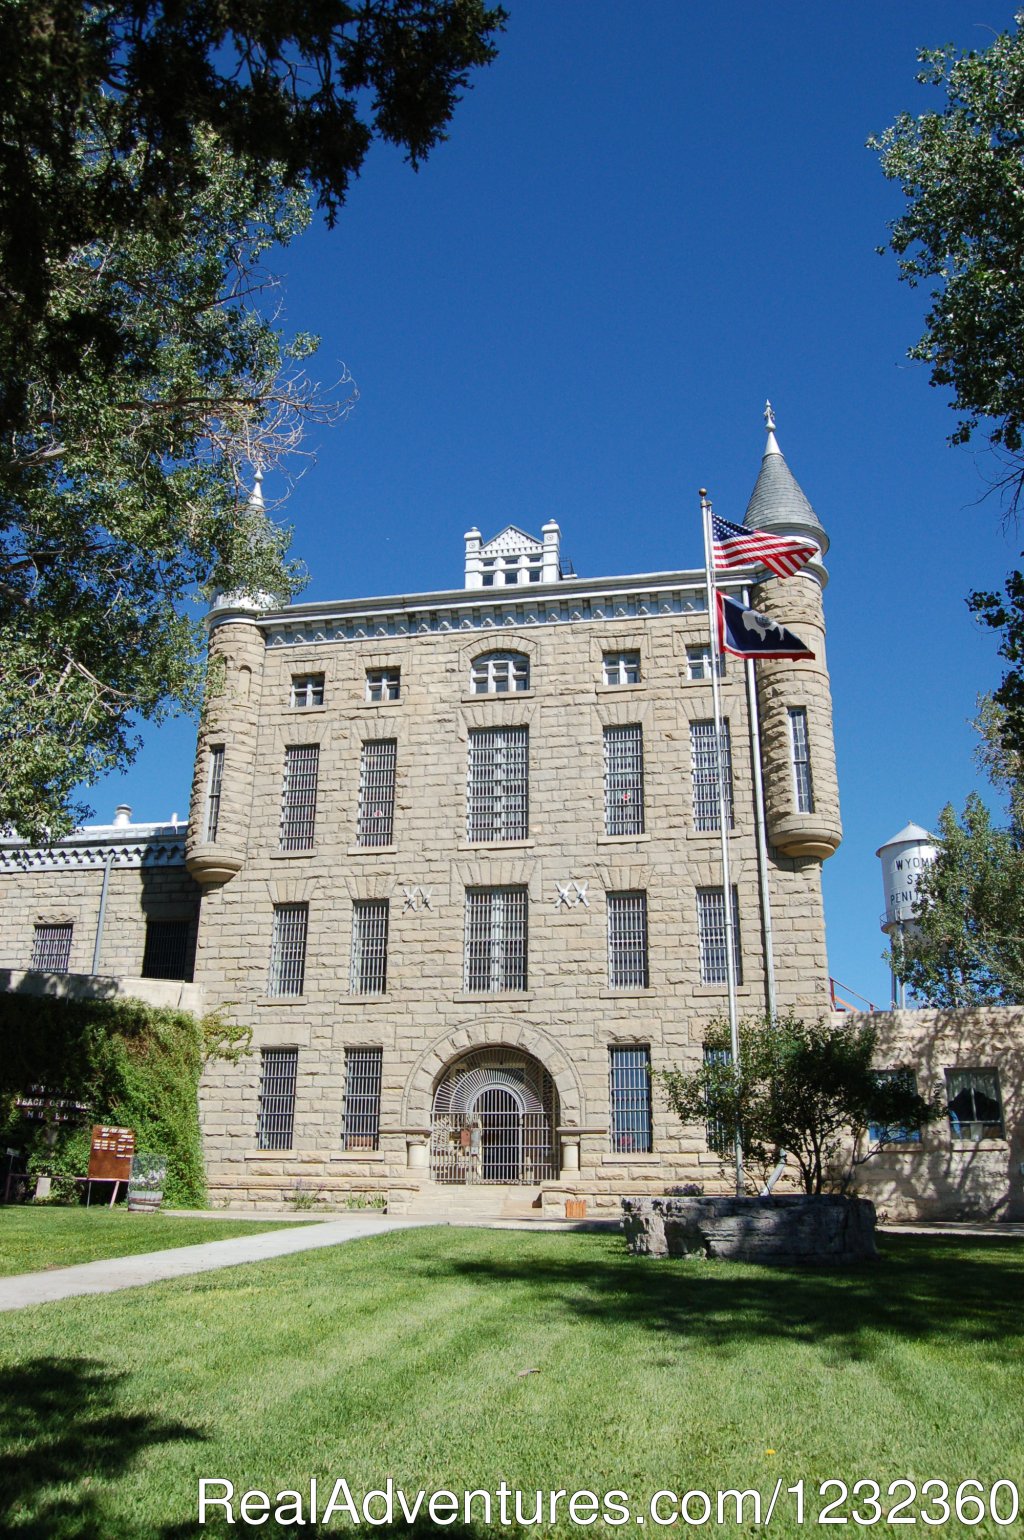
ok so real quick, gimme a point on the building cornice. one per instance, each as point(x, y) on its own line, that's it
point(140, 845)
point(571, 601)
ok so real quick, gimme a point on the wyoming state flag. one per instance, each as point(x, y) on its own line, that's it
point(749, 634)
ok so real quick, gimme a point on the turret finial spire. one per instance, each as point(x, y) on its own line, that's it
point(777, 501)
point(256, 500)
point(772, 446)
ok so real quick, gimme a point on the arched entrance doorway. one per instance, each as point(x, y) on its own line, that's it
point(494, 1117)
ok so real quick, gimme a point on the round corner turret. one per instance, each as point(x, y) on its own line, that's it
point(795, 696)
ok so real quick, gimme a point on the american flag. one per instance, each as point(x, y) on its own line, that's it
point(735, 546)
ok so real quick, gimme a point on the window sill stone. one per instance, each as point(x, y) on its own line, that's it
point(626, 994)
point(474, 846)
point(623, 839)
point(491, 695)
point(372, 850)
point(505, 996)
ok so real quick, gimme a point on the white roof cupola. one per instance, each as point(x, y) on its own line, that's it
point(513, 557)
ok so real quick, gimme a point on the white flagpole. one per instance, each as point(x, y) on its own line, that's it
point(762, 842)
point(730, 935)
point(762, 870)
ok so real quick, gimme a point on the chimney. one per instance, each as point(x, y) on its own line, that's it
point(122, 816)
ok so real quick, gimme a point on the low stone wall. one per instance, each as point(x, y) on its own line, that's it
point(824, 1232)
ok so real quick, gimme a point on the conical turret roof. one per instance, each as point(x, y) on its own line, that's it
point(778, 502)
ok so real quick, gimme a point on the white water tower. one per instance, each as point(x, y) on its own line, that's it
point(905, 858)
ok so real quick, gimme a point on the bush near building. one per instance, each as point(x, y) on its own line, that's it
point(129, 1064)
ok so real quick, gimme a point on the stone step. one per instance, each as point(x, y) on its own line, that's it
point(483, 1202)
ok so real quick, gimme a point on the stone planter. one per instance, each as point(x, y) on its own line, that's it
point(829, 1231)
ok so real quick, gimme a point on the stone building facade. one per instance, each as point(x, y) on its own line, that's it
point(455, 860)
point(462, 876)
point(114, 901)
point(970, 1163)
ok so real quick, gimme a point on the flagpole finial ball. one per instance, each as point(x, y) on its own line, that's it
point(702, 491)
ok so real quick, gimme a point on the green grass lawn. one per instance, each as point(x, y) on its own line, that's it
point(33, 1238)
point(406, 1355)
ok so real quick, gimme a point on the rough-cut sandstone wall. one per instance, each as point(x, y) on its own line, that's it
point(826, 1231)
point(134, 895)
point(797, 604)
point(568, 1017)
point(231, 719)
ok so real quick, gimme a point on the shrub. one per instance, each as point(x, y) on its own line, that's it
point(806, 1088)
point(131, 1064)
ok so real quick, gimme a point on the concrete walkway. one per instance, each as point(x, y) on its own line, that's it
point(106, 1277)
point(154, 1266)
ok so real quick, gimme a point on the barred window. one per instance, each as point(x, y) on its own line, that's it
point(711, 934)
point(803, 788)
point(168, 950)
point(215, 780)
point(704, 766)
point(369, 973)
point(698, 662)
point(376, 820)
point(288, 949)
point(630, 1093)
point(307, 689)
point(721, 1140)
point(498, 673)
point(51, 948)
point(621, 668)
point(975, 1105)
point(497, 782)
point(361, 1120)
point(275, 1125)
point(383, 684)
point(495, 957)
point(627, 941)
point(298, 796)
point(624, 779)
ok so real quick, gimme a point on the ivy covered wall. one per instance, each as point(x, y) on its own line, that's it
point(131, 1064)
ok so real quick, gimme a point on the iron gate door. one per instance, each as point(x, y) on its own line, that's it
point(501, 1135)
point(493, 1119)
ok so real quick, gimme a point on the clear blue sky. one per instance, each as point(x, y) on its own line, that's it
point(648, 219)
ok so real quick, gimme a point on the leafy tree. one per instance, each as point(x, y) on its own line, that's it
point(966, 945)
point(297, 89)
point(1005, 613)
point(122, 498)
point(808, 1088)
point(151, 154)
point(962, 173)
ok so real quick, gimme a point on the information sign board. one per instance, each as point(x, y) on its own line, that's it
point(110, 1156)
